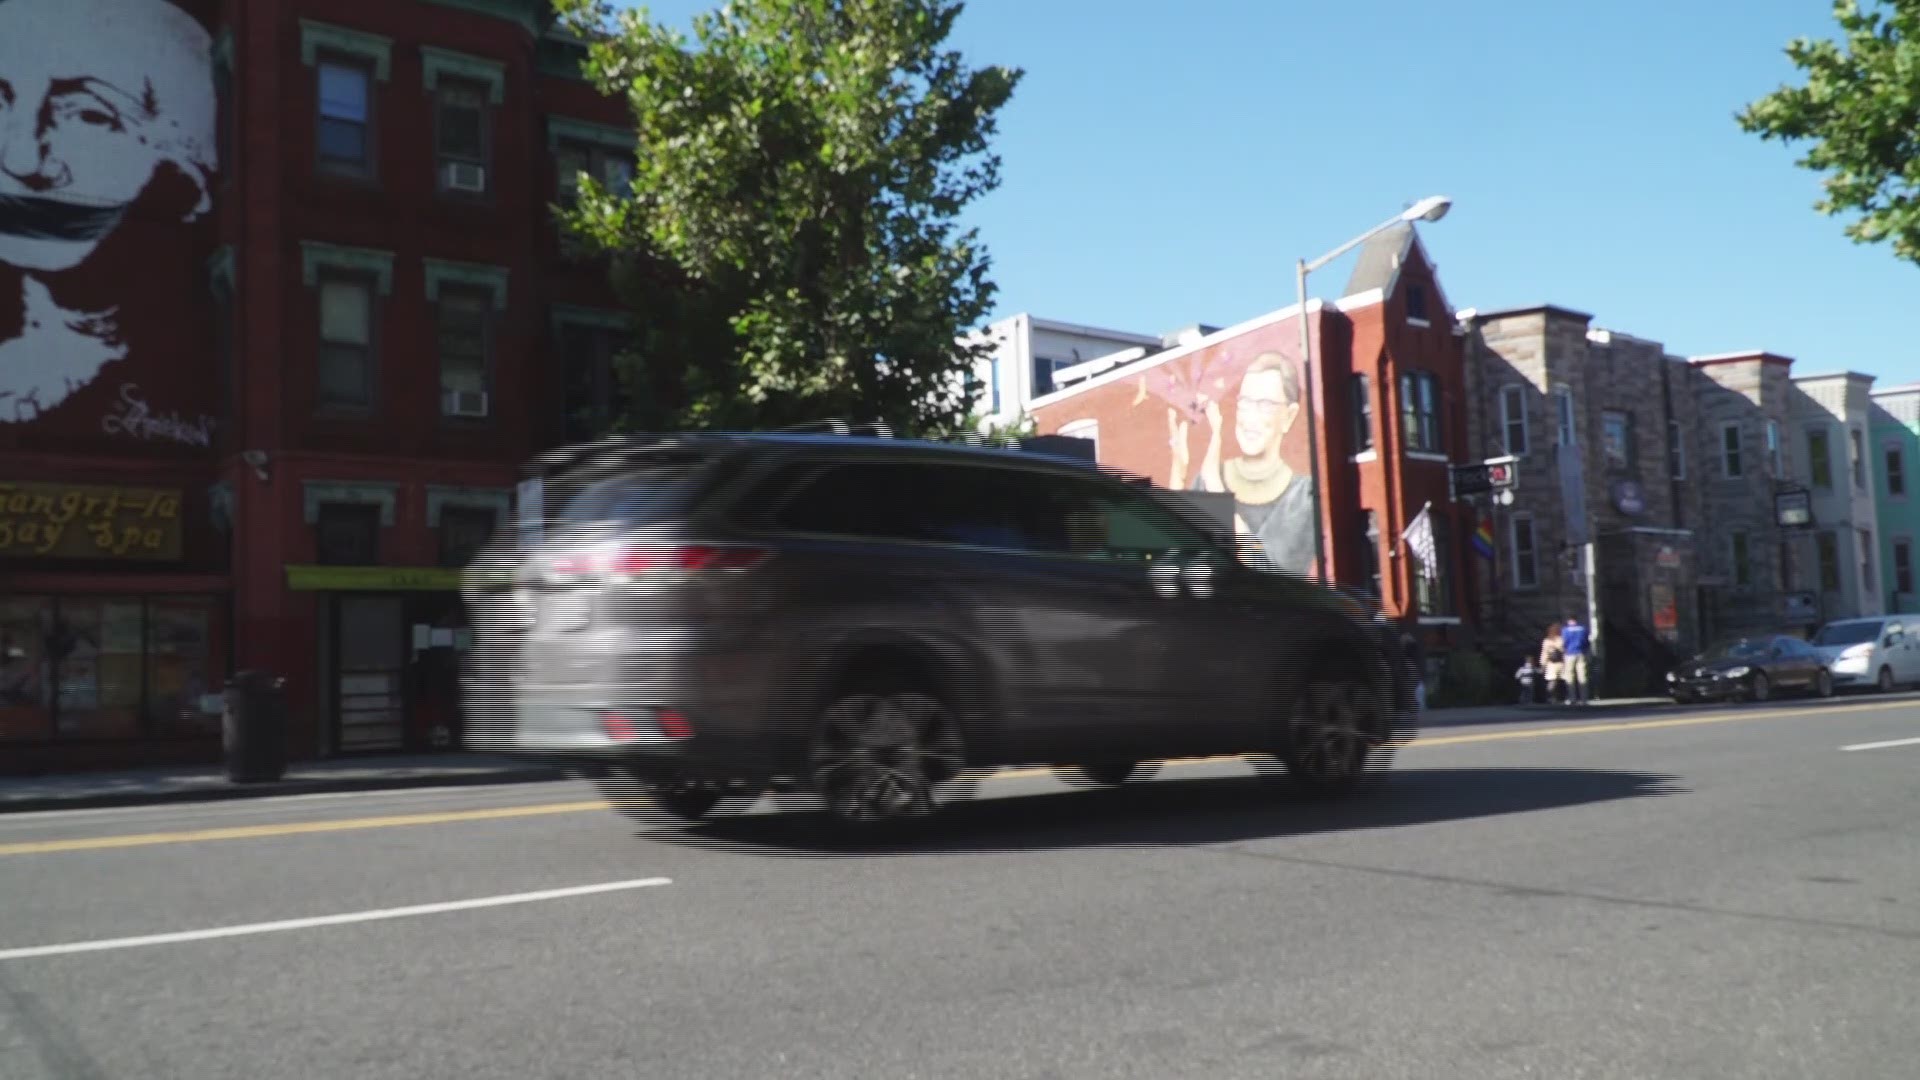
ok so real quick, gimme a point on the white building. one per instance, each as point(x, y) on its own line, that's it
point(1029, 353)
point(1830, 428)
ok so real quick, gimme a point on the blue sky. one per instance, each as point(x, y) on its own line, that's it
point(1165, 164)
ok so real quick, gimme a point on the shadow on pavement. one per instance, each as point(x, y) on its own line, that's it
point(1175, 812)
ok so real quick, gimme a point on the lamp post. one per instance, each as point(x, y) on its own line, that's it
point(1431, 208)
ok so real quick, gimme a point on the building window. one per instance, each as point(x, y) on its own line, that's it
point(1819, 458)
point(460, 136)
point(1896, 470)
point(1362, 415)
point(1569, 429)
point(347, 534)
point(1866, 560)
point(592, 396)
point(464, 530)
point(1525, 553)
point(1420, 411)
point(1730, 464)
point(1903, 566)
point(1826, 548)
point(1616, 439)
point(1513, 418)
point(1676, 451)
point(611, 169)
point(346, 343)
point(465, 325)
point(1416, 301)
point(345, 136)
point(1774, 468)
point(1859, 449)
point(1742, 558)
point(1370, 552)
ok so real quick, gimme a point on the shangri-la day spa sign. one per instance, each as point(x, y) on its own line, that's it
point(76, 521)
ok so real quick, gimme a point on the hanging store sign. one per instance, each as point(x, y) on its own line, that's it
point(372, 579)
point(1793, 509)
point(78, 521)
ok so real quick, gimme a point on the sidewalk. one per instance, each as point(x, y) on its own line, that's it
point(1504, 714)
point(205, 783)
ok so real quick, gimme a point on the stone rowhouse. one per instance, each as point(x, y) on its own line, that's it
point(286, 388)
point(1600, 424)
point(1830, 420)
point(1389, 416)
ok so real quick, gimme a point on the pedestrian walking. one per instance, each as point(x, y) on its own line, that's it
point(1577, 644)
point(1552, 662)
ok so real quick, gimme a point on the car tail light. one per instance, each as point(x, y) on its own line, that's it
point(620, 564)
point(623, 727)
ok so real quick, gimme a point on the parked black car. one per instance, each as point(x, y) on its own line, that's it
point(867, 619)
point(1752, 668)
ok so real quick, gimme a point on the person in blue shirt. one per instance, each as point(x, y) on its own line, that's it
point(1575, 642)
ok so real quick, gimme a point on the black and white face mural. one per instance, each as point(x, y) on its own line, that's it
point(107, 112)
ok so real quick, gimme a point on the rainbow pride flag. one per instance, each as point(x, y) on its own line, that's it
point(1483, 538)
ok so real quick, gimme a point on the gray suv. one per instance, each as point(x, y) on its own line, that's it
point(874, 621)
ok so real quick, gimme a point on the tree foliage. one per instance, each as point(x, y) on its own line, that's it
point(790, 244)
point(1860, 106)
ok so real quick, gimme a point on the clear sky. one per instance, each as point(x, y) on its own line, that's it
point(1165, 164)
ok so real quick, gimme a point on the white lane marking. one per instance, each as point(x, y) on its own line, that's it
point(186, 808)
point(329, 920)
point(1882, 745)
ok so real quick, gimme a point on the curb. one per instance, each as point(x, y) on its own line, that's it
point(279, 787)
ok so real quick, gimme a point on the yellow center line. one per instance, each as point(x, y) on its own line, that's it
point(250, 832)
point(253, 832)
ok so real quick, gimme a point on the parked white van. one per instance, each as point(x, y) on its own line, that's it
point(1882, 651)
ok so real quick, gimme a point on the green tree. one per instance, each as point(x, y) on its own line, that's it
point(790, 246)
point(1861, 108)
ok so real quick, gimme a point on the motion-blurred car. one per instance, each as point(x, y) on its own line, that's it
point(1751, 669)
point(1875, 651)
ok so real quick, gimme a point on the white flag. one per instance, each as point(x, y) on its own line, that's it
point(1418, 536)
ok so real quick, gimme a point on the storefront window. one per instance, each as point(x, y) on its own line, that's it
point(26, 705)
point(82, 668)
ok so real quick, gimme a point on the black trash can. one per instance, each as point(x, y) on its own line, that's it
point(254, 728)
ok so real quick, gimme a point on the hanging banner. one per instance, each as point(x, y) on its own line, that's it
point(1573, 494)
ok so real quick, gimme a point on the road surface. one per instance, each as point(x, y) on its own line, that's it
point(1725, 892)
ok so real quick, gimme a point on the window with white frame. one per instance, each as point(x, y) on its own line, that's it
point(1513, 417)
point(1420, 411)
point(1859, 448)
point(1819, 458)
point(1731, 466)
point(1362, 414)
point(1088, 429)
point(1773, 449)
point(1616, 440)
point(346, 367)
point(344, 129)
point(1866, 560)
point(1676, 451)
point(464, 318)
point(1896, 470)
point(1524, 552)
point(1569, 428)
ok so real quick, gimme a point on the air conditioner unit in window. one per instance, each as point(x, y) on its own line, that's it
point(463, 402)
point(463, 176)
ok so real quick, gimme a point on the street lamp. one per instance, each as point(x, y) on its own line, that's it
point(1431, 208)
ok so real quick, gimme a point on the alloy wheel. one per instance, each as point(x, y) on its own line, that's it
point(1330, 745)
point(1759, 689)
point(1886, 680)
point(1823, 684)
point(879, 757)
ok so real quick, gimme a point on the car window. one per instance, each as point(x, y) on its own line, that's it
point(1125, 525)
point(1854, 632)
point(641, 497)
point(970, 505)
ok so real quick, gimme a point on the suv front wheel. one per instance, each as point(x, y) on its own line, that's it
point(879, 751)
point(1331, 735)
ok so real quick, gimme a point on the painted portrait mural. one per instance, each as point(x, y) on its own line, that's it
point(1235, 417)
point(107, 158)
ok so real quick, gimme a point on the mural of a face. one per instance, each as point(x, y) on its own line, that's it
point(94, 96)
point(97, 97)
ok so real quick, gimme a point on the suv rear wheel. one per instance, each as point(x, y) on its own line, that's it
point(1331, 735)
point(880, 749)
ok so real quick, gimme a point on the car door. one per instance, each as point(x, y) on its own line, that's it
point(1187, 656)
point(1897, 641)
point(1798, 663)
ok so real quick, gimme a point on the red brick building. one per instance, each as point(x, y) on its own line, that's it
point(1227, 412)
point(278, 325)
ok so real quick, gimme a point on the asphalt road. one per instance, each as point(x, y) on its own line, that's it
point(1709, 894)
